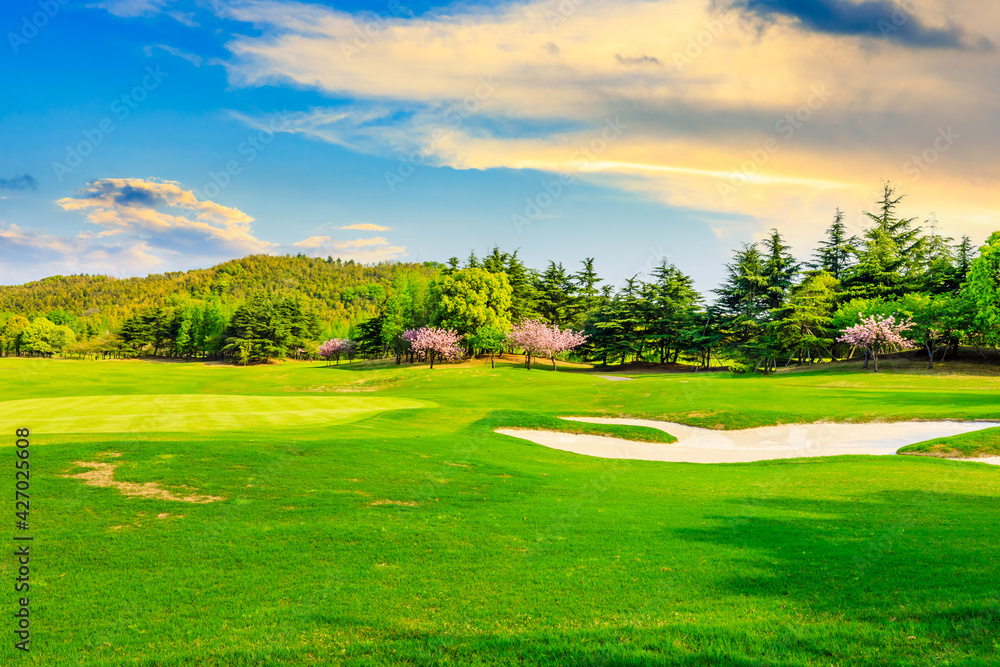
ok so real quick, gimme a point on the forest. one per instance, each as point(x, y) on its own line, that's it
point(771, 310)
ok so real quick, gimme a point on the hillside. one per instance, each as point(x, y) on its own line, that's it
point(341, 292)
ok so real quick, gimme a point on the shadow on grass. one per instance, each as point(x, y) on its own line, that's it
point(924, 559)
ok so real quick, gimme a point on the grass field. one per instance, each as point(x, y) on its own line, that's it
point(370, 516)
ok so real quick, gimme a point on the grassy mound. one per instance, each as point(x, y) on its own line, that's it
point(971, 445)
point(543, 422)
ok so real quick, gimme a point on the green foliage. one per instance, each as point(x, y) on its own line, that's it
point(836, 252)
point(11, 336)
point(983, 290)
point(471, 298)
point(337, 291)
point(268, 326)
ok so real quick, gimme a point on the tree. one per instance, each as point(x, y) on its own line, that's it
point(890, 256)
point(585, 283)
point(44, 338)
point(489, 338)
point(472, 298)
point(433, 341)
point(744, 298)
point(538, 338)
point(670, 303)
point(877, 335)
point(983, 291)
point(334, 348)
point(271, 324)
point(804, 325)
point(779, 269)
point(555, 295)
point(835, 254)
point(935, 318)
point(939, 273)
point(11, 334)
point(563, 340)
point(965, 254)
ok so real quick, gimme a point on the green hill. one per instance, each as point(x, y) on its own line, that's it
point(342, 293)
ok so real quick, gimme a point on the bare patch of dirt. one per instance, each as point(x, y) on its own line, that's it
point(404, 503)
point(102, 475)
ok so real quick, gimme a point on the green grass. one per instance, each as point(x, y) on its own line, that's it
point(976, 444)
point(192, 412)
point(494, 550)
point(533, 421)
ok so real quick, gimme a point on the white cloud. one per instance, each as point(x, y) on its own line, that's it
point(131, 8)
point(701, 91)
point(142, 226)
point(192, 58)
point(366, 251)
point(366, 227)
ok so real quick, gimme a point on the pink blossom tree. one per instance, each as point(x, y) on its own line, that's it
point(430, 342)
point(876, 335)
point(537, 338)
point(333, 348)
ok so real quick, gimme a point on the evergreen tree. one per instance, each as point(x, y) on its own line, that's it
point(836, 253)
point(744, 299)
point(780, 269)
point(555, 295)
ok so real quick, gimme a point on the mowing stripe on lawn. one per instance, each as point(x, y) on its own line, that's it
point(190, 413)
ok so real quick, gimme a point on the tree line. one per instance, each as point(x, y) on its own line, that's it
point(771, 309)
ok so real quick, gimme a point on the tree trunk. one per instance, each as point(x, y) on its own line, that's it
point(492, 363)
point(554, 363)
point(431, 356)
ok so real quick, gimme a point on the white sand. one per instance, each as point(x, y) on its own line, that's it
point(614, 378)
point(699, 445)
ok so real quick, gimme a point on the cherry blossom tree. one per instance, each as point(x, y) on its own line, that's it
point(430, 342)
point(876, 335)
point(333, 348)
point(537, 338)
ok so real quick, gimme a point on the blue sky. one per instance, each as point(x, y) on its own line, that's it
point(142, 136)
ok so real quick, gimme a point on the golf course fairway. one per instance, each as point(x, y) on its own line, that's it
point(367, 514)
point(193, 412)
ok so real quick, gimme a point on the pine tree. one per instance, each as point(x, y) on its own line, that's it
point(744, 299)
point(585, 283)
point(780, 269)
point(836, 253)
point(555, 295)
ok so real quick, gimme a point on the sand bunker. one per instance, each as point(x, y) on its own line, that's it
point(102, 475)
point(699, 445)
